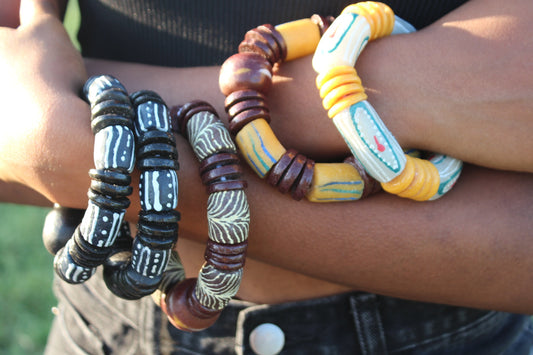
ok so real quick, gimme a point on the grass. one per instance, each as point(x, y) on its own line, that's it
point(26, 272)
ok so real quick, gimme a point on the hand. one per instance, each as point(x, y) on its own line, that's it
point(42, 114)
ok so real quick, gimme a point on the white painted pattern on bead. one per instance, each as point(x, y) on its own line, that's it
point(215, 288)
point(203, 128)
point(228, 216)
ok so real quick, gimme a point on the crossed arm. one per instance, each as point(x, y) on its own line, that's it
point(470, 248)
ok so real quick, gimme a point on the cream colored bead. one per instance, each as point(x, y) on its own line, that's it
point(342, 42)
point(449, 170)
point(370, 141)
point(301, 37)
point(259, 146)
point(335, 182)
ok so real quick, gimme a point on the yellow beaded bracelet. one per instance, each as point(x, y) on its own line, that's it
point(245, 79)
point(359, 124)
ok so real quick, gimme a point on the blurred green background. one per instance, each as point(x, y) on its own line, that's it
point(26, 271)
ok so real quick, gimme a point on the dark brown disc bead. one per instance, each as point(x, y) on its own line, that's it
point(242, 95)
point(222, 173)
point(184, 311)
point(217, 160)
point(304, 181)
point(260, 40)
point(237, 122)
point(226, 249)
point(244, 105)
point(245, 71)
point(232, 262)
point(371, 186)
point(220, 186)
point(292, 173)
point(278, 170)
point(271, 31)
point(180, 115)
point(323, 22)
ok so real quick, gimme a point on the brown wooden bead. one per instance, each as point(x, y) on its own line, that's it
point(260, 40)
point(183, 309)
point(245, 71)
point(220, 186)
point(304, 181)
point(271, 30)
point(226, 249)
point(222, 173)
point(240, 120)
point(218, 159)
point(323, 22)
point(292, 173)
point(180, 115)
point(228, 262)
point(242, 95)
point(279, 169)
point(371, 185)
point(247, 105)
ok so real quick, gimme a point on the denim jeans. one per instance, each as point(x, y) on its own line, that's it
point(92, 321)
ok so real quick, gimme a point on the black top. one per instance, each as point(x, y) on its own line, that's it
point(204, 32)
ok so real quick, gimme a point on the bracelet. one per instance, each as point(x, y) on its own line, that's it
point(359, 124)
point(138, 275)
point(195, 304)
point(245, 78)
point(92, 241)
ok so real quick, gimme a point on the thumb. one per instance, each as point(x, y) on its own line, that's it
point(33, 10)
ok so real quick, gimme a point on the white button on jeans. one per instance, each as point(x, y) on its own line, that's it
point(267, 339)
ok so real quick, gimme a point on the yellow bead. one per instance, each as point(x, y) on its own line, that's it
point(337, 81)
point(336, 71)
point(346, 102)
point(259, 146)
point(380, 17)
point(340, 92)
point(335, 182)
point(402, 181)
point(301, 37)
point(419, 180)
point(431, 185)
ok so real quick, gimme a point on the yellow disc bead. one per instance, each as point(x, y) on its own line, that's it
point(336, 94)
point(402, 181)
point(333, 72)
point(431, 185)
point(379, 16)
point(337, 81)
point(301, 37)
point(259, 146)
point(419, 180)
point(346, 102)
point(335, 182)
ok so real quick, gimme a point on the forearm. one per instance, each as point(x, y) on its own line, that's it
point(462, 86)
point(435, 251)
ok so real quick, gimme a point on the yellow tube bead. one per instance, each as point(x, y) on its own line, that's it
point(335, 182)
point(301, 37)
point(418, 182)
point(431, 185)
point(336, 71)
point(259, 146)
point(379, 16)
point(402, 181)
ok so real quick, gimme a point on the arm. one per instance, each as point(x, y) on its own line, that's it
point(435, 251)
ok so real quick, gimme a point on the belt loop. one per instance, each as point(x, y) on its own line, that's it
point(368, 324)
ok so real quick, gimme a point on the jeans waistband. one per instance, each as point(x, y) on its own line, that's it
point(352, 323)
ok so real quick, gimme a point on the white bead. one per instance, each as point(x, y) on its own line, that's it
point(267, 339)
point(342, 42)
point(370, 141)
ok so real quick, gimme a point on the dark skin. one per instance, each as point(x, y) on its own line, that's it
point(470, 248)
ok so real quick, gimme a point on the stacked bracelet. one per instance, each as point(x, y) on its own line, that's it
point(111, 123)
point(195, 304)
point(357, 121)
point(157, 229)
point(245, 78)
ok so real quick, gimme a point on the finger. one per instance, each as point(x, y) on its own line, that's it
point(33, 10)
